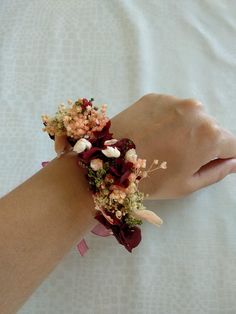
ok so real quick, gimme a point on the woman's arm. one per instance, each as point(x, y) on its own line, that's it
point(40, 220)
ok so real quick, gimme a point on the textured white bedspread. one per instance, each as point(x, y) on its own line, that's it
point(117, 51)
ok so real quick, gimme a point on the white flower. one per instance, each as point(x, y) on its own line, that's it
point(111, 152)
point(148, 215)
point(96, 164)
point(81, 145)
point(110, 142)
point(131, 155)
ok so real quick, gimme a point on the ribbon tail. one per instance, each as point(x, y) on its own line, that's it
point(82, 247)
point(101, 230)
point(44, 163)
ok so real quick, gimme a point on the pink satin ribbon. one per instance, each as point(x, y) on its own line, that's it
point(99, 230)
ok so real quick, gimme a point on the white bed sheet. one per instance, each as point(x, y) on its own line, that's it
point(117, 51)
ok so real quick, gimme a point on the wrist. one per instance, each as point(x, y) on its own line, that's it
point(72, 193)
point(111, 165)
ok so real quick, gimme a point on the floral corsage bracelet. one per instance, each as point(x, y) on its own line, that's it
point(112, 168)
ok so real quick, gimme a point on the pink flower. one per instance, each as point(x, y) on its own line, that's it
point(132, 177)
point(96, 164)
point(140, 163)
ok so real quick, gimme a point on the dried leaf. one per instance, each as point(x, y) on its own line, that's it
point(148, 215)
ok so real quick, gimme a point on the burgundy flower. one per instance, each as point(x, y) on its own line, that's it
point(88, 155)
point(99, 216)
point(102, 136)
point(71, 140)
point(129, 237)
point(86, 103)
point(124, 145)
point(120, 170)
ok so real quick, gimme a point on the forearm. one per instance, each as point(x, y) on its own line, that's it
point(40, 220)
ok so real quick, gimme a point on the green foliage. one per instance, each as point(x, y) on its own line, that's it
point(131, 221)
point(96, 177)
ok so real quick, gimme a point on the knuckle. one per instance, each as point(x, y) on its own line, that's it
point(220, 175)
point(149, 96)
point(215, 130)
point(191, 103)
point(209, 128)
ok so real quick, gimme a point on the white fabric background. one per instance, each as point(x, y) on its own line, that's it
point(117, 51)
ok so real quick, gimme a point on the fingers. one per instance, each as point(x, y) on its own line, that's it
point(212, 172)
point(227, 144)
point(221, 142)
point(223, 156)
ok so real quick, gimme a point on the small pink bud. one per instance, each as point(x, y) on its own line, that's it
point(69, 101)
point(145, 174)
point(163, 165)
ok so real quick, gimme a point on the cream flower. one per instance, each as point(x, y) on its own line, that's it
point(148, 215)
point(118, 195)
point(96, 164)
point(132, 188)
point(163, 165)
point(132, 177)
point(81, 145)
point(111, 152)
point(110, 142)
point(131, 155)
point(118, 214)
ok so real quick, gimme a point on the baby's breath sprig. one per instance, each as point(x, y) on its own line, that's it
point(145, 173)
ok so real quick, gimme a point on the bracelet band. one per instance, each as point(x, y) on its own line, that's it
point(112, 168)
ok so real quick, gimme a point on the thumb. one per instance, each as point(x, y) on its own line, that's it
point(212, 172)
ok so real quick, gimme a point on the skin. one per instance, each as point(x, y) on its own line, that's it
point(41, 219)
point(198, 151)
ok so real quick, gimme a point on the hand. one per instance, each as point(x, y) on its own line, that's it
point(198, 151)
